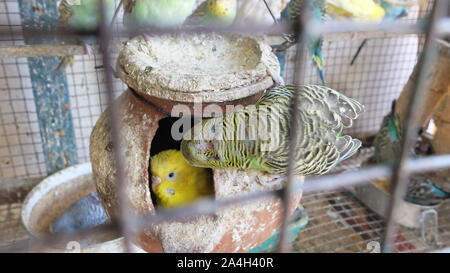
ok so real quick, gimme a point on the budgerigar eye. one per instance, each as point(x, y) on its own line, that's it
point(171, 176)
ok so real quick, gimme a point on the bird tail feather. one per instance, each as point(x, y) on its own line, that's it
point(349, 147)
point(318, 62)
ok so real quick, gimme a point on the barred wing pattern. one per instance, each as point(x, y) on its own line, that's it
point(234, 141)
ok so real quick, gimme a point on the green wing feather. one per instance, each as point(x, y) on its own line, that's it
point(256, 137)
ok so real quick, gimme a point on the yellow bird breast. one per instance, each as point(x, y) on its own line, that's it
point(220, 7)
point(362, 10)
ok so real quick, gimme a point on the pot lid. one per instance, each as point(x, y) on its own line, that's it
point(193, 67)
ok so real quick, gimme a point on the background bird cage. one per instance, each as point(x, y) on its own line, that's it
point(338, 221)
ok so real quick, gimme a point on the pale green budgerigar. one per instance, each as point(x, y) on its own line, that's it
point(257, 136)
point(214, 13)
point(81, 15)
point(156, 13)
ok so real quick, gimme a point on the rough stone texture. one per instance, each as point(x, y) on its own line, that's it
point(197, 67)
point(139, 124)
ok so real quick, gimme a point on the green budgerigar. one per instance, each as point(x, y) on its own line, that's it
point(81, 15)
point(294, 10)
point(257, 136)
point(388, 139)
point(156, 13)
point(215, 13)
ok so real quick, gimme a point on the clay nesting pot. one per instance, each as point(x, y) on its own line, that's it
point(168, 71)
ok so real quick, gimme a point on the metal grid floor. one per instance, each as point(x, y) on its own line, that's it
point(338, 222)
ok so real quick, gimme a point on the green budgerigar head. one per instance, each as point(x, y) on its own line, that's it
point(200, 146)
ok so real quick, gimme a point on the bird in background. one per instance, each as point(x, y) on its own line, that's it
point(176, 183)
point(256, 12)
point(83, 15)
point(392, 12)
point(224, 13)
point(388, 139)
point(421, 190)
point(214, 13)
point(257, 136)
point(292, 13)
point(357, 10)
point(227, 12)
point(156, 13)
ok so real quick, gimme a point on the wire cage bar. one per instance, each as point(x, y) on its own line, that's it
point(331, 185)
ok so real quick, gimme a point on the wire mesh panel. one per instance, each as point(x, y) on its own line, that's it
point(376, 76)
point(21, 146)
point(375, 79)
point(10, 23)
point(87, 89)
point(21, 153)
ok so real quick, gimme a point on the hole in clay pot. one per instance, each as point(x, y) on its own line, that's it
point(164, 140)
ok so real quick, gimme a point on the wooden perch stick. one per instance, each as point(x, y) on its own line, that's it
point(437, 85)
point(19, 51)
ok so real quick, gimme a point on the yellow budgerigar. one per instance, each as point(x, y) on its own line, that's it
point(360, 10)
point(214, 13)
point(175, 182)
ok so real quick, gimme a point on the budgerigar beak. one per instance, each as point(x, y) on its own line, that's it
point(156, 181)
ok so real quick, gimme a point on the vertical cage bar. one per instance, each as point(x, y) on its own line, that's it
point(400, 173)
point(115, 122)
point(301, 28)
